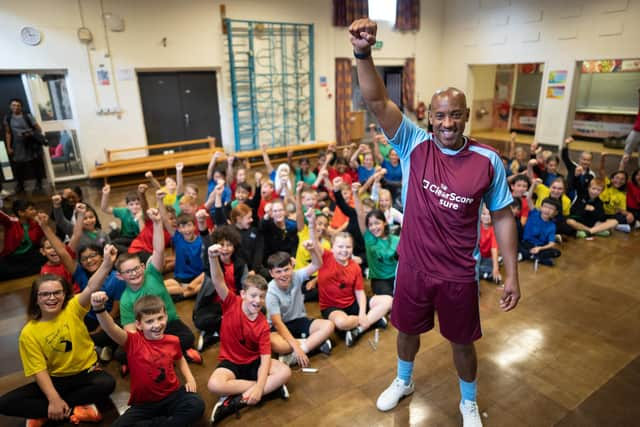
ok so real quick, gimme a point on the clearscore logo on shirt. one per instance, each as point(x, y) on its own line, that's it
point(448, 199)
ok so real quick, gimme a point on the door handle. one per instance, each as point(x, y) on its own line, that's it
point(187, 119)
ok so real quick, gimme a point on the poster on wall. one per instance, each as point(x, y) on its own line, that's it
point(555, 92)
point(557, 77)
point(610, 66)
point(104, 85)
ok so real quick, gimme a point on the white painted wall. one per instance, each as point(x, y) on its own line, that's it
point(194, 42)
point(555, 32)
point(453, 35)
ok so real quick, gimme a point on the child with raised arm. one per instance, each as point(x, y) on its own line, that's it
point(294, 334)
point(382, 258)
point(20, 255)
point(57, 351)
point(215, 176)
point(62, 262)
point(614, 197)
point(90, 232)
point(587, 214)
point(157, 398)
point(172, 187)
point(130, 217)
point(148, 280)
point(246, 371)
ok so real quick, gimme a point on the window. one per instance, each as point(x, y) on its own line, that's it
point(383, 10)
point(50, 91)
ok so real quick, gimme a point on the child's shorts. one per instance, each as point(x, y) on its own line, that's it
point(419, 296)
point(297, 327)
point(247, 372)
point(382, 286)
point(352, 310)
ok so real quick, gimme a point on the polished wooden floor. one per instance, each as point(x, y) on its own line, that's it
point(567, 356)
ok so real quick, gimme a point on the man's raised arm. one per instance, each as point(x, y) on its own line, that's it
point(363, 36)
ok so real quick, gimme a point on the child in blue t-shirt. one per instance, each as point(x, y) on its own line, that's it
point(187, 245)
point(539, 236)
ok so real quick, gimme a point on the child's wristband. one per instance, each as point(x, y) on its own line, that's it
point(102, 310)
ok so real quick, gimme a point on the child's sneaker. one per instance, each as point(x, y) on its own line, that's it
point(605, 233)
point(226, 406)
point(470, 414)
point(106, 354)
point(283, 392)
point(352, 336)
point(391, 396)
point(580, 234)
point(289, 359)
point(36, 422)
point(326, 347)
point(193, 356)
point(85, 414)
point(381, 323)
point(626, 228)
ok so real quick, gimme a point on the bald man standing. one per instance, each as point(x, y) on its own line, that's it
point(448, 179)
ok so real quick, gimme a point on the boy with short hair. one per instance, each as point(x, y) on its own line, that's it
point(538, 242)
point(143, 281)
point(156, 395)
point(21, 255)
point(245, 372)
point(295, 334)
point(130, 217)
point(187, 245)
point(587, 213)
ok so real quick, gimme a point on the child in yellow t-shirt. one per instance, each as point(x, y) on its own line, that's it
point(55, 348)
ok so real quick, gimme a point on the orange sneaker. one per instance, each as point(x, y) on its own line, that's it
point(192, 355)
point(36, 422)
point(85, 414)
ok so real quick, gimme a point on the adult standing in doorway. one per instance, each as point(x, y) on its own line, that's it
point(24, 144)
point(446, 178)
point(633, 140)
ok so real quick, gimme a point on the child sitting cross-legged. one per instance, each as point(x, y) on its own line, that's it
point(587, 213)
point(341, 292)
point(245, 372)
point(295, 334)
point(538, 241)
point(157, 398)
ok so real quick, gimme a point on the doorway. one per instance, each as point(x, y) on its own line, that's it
point(179, 106)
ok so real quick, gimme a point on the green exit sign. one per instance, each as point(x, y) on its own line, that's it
point(378, 45)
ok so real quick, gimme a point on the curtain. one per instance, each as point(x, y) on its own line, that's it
point(407, 15)
point(409, 84)
point(343, 100)
point(347, 11)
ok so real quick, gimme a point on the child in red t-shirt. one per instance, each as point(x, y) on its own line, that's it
point(156, 393)
point(246, 371)
point(61, 265)
point(341, 291)
point(489, 264)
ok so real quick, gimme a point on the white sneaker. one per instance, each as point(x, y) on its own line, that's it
point(391, 396)
point(626, 228)
point(470, 414)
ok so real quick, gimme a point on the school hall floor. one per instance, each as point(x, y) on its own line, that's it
point(567, 356)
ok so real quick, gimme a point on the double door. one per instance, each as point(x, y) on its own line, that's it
point(180, 106)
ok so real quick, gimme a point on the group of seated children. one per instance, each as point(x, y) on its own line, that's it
point(548, 206)
point(250, 256)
